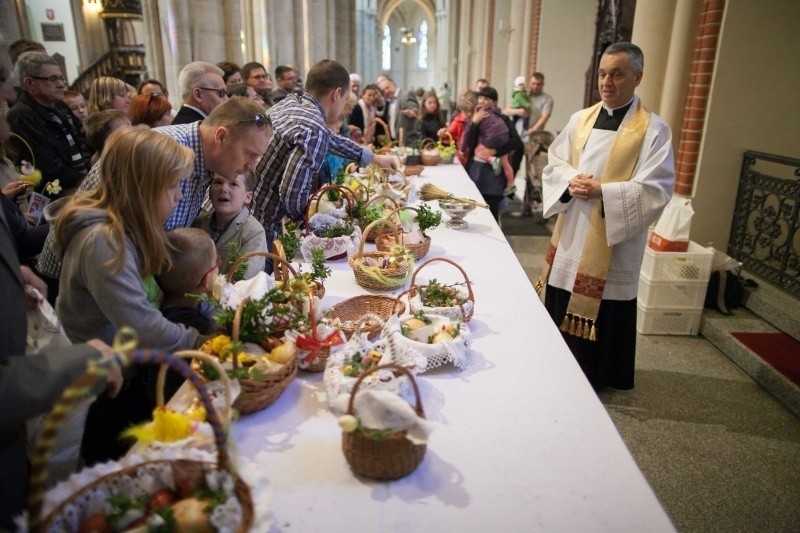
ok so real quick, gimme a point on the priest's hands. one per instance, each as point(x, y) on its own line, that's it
point(585, 187)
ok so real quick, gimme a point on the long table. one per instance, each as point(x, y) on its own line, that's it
point(522, 441)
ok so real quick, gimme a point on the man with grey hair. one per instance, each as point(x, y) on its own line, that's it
point(202, 89)
point(51, 137)
point(355, 84)
point(610, 172)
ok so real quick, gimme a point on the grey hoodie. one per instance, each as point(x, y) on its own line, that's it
point(93, 303)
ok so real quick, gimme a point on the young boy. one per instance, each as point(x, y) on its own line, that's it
point(194, 265)
point(235, 232)
point(76, 104)
point(492, 135)
point(520, 100)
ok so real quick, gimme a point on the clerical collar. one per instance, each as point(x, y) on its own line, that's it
point(611, 119)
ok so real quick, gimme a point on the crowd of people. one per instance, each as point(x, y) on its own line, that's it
point(143, 204)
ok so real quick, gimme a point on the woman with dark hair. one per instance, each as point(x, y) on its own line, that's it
point(232, 73)
point(431, 119)
point(151, 109)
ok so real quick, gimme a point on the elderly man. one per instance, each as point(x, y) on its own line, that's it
point(610, 173)
point(228, 142)
point(355, 84)
point(52, 134)
point(400, 111)
point(202, 89)
point(286, 79)
point(296, 153)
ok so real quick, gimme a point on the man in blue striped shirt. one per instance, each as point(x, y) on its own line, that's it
point(297, 150)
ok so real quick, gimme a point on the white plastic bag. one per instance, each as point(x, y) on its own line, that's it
point(671, 233)
point(46, 333)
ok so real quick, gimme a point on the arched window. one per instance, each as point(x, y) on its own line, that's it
point(422, 59)
point(386, 49)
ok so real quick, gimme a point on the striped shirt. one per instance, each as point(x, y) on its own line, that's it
point(295, 154)
point(193, 188)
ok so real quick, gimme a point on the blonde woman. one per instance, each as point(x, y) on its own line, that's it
point(112, 239)
point(108, 93)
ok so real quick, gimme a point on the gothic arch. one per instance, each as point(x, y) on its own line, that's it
point(386, 9)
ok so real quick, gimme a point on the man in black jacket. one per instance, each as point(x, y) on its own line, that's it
point(52, 139)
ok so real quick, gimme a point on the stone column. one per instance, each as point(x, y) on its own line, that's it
point(232, 30)
point(705, 53)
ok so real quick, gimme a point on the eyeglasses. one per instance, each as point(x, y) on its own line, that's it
point(261, 121)
point(51, 79)
point(222, 93)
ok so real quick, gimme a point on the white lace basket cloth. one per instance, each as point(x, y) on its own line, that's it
point(407, 352)
point(415, 304)
point(332, 246)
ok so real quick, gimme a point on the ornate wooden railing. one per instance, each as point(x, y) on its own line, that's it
point(123, 62)
point(765, 234)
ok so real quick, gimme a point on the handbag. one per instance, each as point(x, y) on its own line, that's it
point(726, 284)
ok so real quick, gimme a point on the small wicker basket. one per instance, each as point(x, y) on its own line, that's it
point(385, 198)
point(185, 472)
point(465, 309)
point(413, 170)
point(385, 240)
point(327, 243)
point(391, 456)
point(320, 349)
point(429, 153)
point(391, 277)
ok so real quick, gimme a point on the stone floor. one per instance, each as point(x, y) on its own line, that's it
point(720, 452)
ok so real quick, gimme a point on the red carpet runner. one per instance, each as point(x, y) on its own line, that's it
point(778, 349)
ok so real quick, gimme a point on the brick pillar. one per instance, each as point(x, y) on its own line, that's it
point(536, 16)
point(705, 52)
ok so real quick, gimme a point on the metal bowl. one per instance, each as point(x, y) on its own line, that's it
point(456, 210)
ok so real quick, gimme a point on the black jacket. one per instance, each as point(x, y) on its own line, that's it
point(53, 157)
point(186, 115)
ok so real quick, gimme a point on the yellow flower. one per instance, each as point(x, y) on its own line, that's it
point(54, 187)
point(167, 426)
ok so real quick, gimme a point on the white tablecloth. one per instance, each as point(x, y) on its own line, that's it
point(522, 443)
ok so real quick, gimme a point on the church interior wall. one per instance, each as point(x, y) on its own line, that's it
point(37, 14)
point(564, 54)
point(754, 104)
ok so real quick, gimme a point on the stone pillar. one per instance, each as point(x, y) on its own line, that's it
point(705, 52)
point(232, 30)
point(652, 30)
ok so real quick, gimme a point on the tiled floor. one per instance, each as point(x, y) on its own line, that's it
point(719, 451)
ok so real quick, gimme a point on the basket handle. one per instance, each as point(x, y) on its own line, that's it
point(81, 389)
point(396, 368)
point(28, 146)
point(396, 228)
point(317, 195)
point(380, 221)
point(423, 145)
point(286, 266)
point(381, 196)
point(470, 294)
point(213, 361)
point(447, 134)
point(351, 165)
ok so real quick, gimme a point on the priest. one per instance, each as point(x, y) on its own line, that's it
point(610, 172)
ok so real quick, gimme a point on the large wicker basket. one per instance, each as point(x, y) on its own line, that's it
point(391, 456)
point(350, 311)
point(464, 310)
point(391, 277)
point(384, 240)
point(185, 473)
point(319, 349)
point(258, 394)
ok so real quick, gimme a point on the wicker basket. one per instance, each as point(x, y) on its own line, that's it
point(392, 278)
point(429, 153)
point(324, 242)
point(465, 311)
point(351, 311)
point(446, 139)
point(321, 348)
point(185, 472)
point(390, 457)
point(259, 394)
point(384, 240)
point(373, 233)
